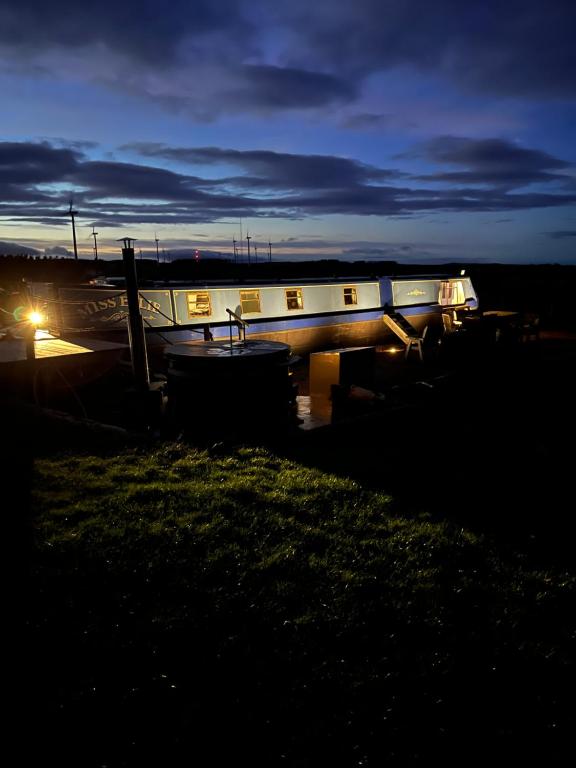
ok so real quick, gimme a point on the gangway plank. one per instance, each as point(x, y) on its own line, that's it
point(407, 334)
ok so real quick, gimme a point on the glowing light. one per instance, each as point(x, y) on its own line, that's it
point(42, 335)
point(36, 318)
point(392, 350)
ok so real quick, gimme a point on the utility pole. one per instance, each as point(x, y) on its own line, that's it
point(94, 235)
point(157, 253)
point(248, 238)
point(72, 214)
point(269, 251)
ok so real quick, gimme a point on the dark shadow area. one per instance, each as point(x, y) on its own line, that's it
point(488, 446)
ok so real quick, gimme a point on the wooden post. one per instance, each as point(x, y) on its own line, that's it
point(29, 339)
point(136, 333)
point(29, 332)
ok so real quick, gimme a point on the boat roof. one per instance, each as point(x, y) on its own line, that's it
point(114, 282)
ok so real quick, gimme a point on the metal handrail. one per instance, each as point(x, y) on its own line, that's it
point(242, 325)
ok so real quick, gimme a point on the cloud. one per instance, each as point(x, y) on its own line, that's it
point(16, 249)
point(370, 121)
point(210, 58)
point(138, 28)
point(494, 162)
point(519, 48)
point(119, 180)
point(79, 145)
point(22, 163)
point(275, 185)
point(491, 154)
point(203, 57)
point(561, 234)
point(58, 250)
point(274, 170)
point(272, 87)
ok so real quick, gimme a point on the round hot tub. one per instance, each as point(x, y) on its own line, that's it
point(215, 382)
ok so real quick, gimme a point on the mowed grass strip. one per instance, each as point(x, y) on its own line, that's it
point(181, 595)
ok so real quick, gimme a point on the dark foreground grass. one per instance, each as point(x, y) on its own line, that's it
point(203, 610)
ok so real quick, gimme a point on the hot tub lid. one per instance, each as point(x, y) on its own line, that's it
point(222, 353)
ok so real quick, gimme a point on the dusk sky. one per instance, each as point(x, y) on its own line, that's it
point(421, 131)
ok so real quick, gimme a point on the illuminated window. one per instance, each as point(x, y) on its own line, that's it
point(452, 292)
point(198, 304)
point(250, 301)
point(350, 296)
point(458, 294)
point(294, 298)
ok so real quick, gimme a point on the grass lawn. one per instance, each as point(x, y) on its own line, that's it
point(197, 609)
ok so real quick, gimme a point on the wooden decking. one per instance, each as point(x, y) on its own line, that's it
point(76, 361)
point(13, 350)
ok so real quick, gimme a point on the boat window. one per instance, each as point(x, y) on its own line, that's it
point(294, 298)
point(458, 292)
point(350, 296)
point(250, 301)
point(198, 304)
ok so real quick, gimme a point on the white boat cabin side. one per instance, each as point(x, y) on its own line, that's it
point(305, 315)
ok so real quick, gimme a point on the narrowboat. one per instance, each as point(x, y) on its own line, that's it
point(308, 315)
